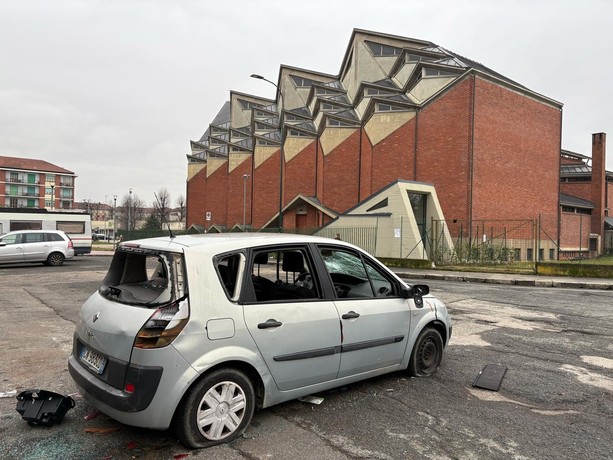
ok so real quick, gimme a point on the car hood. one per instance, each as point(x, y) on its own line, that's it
point(110, 327)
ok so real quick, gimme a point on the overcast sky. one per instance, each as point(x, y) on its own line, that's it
point(114, 90)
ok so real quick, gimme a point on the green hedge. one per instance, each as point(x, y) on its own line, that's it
point(405, 263)
point(574, 269)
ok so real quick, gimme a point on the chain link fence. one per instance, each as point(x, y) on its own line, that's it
point(484, 241)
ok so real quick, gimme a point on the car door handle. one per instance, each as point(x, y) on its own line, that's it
point(269, 323)
point(351, 315)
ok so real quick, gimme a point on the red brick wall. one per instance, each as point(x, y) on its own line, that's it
point(392, 158)
point(366, 187)
point(300, 174)
point(340, 174)
point(572, 226)
point(234, 199)
point(578, 189)
point(266, 191)
point(216, 191)
point(196, 199)
point(516, 157)
point(442, 159)
point(319, 171)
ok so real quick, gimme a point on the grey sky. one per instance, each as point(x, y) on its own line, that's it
point(115, 89)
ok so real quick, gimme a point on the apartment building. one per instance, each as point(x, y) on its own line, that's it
point(31, 183)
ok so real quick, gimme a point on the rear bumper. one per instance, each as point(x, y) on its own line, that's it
point(144, 379)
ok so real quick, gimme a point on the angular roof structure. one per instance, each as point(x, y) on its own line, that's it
point(378, 73)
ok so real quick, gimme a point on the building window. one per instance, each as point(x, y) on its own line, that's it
point(377, 92)
point(381, 204)
point(529, 254)
point(417, 58)
point(302, 82)
point(389, 108)
point(14, 177)
point(263, 142)
point(248, 105)
point(335, 122)
point(296, 133)
point(427, 72)
point(383, 50)
point(552, 254)
point(517, 254)
point(541, 254)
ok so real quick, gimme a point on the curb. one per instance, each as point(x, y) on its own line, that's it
point(510, 280)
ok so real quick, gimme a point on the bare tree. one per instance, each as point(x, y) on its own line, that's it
point(161, 205)
point(132, 211)
point(181, 207)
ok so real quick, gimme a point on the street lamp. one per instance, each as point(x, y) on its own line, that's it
point(245, 178)
point(52, 196)
point(106, 215)
point(114, 222)
point(129, 208)
point(279, 96)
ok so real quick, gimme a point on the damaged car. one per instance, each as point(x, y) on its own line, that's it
point(199, 331)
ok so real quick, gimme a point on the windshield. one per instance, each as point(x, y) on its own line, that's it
point(145, 277)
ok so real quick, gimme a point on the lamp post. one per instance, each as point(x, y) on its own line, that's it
point(245, 178)
point(279, 96)
point(106, 216)
point(52, 196)
point(129, 209)
point(114, 222)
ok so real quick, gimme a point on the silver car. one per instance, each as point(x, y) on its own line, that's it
point(50, 247)
point(199, 331)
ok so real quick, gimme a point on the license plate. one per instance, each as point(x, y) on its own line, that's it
point(93, 359)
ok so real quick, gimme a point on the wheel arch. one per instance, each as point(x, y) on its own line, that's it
point(426, 322)
point(249, 370)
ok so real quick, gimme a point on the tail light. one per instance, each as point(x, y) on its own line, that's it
point(70, 246)
point(163, 326)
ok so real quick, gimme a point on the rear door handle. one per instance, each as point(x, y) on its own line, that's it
point(269, 323)
point(351, 315)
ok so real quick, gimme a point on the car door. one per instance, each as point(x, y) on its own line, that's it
point(295, 329)
point(11, 249)
point(375, 319)
point(35, 247)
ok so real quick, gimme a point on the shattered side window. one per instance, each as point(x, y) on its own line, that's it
point(229, 270)
point(145, 277)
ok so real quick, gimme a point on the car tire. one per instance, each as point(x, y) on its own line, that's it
point(216, 410)
point(55, 259)
point(427, 353)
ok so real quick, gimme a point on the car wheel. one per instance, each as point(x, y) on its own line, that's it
point(55, 259)
point(216, 410)
point(427, 353)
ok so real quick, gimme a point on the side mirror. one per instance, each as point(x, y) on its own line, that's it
point(417, 292)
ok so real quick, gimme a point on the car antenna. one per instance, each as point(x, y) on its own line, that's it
point(162, 216)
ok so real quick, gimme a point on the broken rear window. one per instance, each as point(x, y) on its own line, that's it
point(145, 277)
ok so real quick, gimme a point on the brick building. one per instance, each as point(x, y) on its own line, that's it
point(399, 109)
point(28, 183)
point(586, 194)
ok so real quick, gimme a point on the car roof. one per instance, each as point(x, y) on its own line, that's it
point(34, 231)
point(221, 242)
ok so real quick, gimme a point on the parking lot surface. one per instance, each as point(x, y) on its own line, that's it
point(555, 401)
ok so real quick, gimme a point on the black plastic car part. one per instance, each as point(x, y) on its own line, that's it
point(42, 407)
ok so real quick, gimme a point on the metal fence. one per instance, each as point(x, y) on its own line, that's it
point(487, 242)
point(443, 242)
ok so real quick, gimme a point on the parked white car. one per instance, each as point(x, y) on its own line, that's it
point(200, 330)
point(50, 247)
